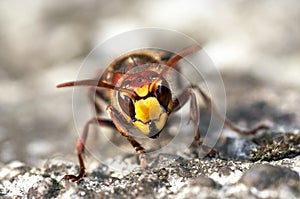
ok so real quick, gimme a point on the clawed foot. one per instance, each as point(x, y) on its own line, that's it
point(143, 161)
point(73, 178)
point(200, 150)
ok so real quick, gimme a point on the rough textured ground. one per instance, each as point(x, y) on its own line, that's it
point(271, 169)
point(255, 45)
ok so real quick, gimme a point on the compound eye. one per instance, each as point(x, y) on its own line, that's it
point(163, 95)
point(126, 104)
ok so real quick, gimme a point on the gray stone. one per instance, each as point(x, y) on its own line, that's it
point(263, 176)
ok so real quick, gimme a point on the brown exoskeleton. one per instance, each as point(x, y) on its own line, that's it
point(144, 99)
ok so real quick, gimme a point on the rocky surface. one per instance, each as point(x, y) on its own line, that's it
point(255, 45)
point(173, 179)
point(170, 176)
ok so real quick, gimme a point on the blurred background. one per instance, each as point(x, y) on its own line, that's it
point(255, 45)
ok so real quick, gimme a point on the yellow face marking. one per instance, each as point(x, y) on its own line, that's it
point(161, 122)
point(147, 109)
point(144, 128)
point(142, 91)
